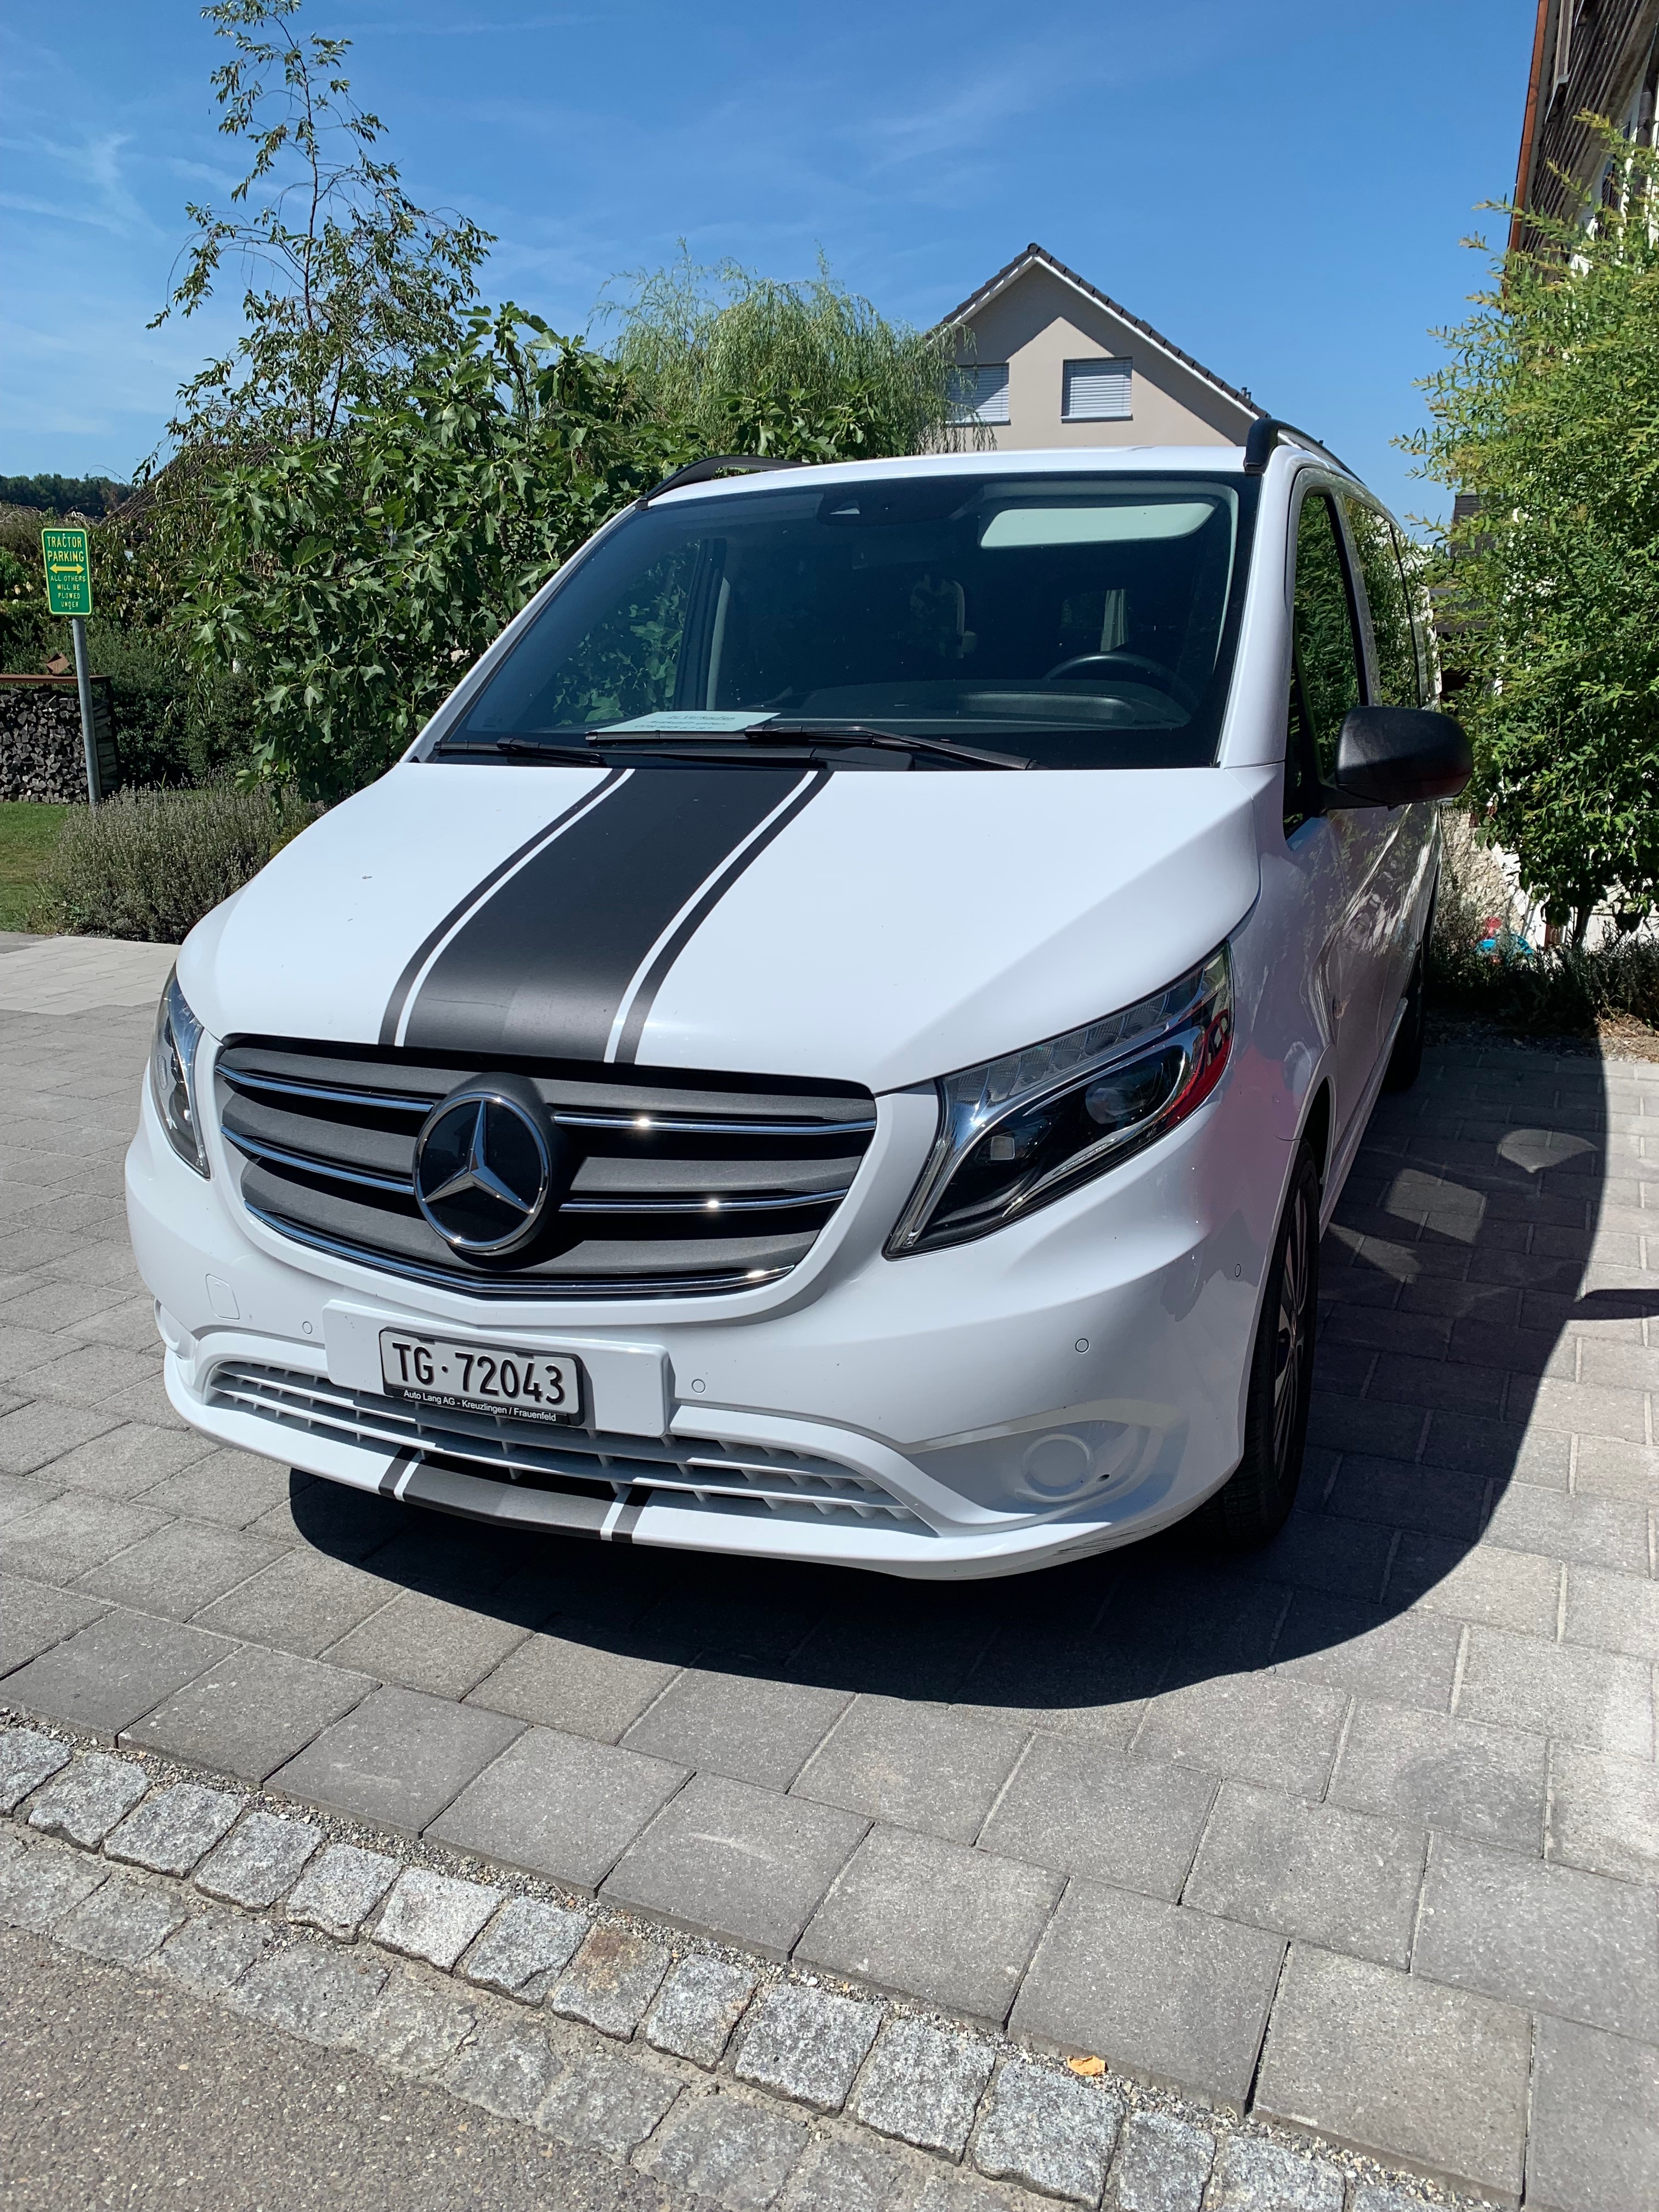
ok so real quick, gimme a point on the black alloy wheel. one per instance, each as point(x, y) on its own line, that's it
point(1252, 1505)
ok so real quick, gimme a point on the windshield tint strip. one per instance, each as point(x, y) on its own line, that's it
point(544, 965)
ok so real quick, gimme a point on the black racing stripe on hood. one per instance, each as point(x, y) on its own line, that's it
point(541, 968)
point(652, 979)
point(434, 938)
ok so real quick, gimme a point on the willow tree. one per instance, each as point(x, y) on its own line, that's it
point(1547, 412)
point(741, 363)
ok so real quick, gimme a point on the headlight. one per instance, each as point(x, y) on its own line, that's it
point(1016, 1134)
point(172, 1075)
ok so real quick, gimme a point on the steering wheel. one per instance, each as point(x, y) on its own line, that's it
point(1129, 664)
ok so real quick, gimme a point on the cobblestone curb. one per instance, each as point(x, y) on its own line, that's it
point(754, 2084)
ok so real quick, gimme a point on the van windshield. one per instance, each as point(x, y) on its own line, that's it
point(1086, 621)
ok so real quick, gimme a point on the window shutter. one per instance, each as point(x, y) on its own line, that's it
point(1096, 391)
point(982, 393)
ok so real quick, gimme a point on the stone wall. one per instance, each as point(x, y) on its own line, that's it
point(41, 755)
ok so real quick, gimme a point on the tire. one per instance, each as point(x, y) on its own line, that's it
point(1406, 1061)
point(1253, 1504)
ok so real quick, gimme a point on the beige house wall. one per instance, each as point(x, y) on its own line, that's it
point(1040, 322)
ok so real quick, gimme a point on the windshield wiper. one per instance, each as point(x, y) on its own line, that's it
point(807, 732)
point(683, 745)
point(529, 748)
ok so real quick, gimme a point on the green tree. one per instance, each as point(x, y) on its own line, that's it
point(25, 624)
point(743, 364)
point(1547, 412)
point(351, 579)
point(89, 496)
point(349, 281)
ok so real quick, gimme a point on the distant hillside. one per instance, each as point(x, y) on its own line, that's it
point(63, 495)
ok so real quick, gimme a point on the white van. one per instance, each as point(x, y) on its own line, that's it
point(840, 1039)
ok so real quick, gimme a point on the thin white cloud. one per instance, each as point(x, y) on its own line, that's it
point(93, 166)
point(962, 120)
point(469, 30)
point(62, 212)
point(220, 179)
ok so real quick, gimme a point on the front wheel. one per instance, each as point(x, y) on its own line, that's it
point(1253, 1504)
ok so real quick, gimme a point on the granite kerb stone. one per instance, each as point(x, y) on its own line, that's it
point(221, 1945)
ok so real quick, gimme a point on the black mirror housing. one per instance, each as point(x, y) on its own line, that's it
point(1393, 755)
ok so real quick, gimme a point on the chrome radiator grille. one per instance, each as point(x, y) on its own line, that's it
point(717, 1477)
point(685, 1185)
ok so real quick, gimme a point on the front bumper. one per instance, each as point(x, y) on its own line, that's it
point(1071, 1382)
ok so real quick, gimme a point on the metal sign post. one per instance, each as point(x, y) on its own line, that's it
point(68, 559)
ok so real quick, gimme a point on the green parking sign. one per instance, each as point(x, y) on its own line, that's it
point(69, 571)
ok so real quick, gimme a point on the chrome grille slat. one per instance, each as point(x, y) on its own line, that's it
point(670, 1126)
point(516, 1286)
point(787, 1201)
point(256, 1148)
point(403, 1101)
point(701, 1475)
point(383, 1102)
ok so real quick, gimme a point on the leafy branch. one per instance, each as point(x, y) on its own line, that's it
point(348, 280)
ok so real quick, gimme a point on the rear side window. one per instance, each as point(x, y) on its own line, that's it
point(1417, 604)
point(1325, 679)
point(1394, 644)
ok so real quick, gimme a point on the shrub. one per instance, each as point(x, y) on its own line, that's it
point(174, 724)
point(1546, 418)
point(23, 612)
point(354, 578)
point(151, 863)
point(1563, 990)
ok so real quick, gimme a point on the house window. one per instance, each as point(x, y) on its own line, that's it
point(1096, 391)
point(980, 394)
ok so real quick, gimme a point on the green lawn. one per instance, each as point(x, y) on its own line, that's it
point(28, 830)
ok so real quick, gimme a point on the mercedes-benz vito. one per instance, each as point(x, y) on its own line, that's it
point(839, 1040)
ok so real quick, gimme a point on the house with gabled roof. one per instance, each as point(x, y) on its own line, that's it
point(1048, 359)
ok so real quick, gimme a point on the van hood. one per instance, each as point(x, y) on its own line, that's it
point(879, 928)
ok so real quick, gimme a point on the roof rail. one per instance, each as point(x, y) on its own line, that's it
point(1266, 432)
point(701, 472)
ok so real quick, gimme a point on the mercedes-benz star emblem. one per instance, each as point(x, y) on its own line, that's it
point(484, 1167)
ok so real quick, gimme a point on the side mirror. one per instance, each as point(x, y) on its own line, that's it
point(1390, 755)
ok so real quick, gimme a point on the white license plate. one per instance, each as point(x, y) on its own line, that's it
point(531, 1386)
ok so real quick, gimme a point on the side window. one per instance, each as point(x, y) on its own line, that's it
point(1392, 639)
point(1325, 680)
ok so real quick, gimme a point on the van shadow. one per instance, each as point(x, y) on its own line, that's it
point(1479, 1234)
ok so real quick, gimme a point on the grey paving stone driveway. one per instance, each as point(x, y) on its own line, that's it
point(1362, 1835)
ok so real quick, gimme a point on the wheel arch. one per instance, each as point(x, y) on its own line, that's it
point(1316, 1127)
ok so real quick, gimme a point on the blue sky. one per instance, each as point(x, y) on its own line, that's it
point(1278, 186)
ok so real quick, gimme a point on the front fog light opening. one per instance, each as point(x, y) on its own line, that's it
point(172, 1076)
point(1059, 1465)
point(1021, 1131)
point(1064, 1464)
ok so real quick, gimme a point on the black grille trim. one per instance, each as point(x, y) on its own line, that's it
point(688, 1185)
